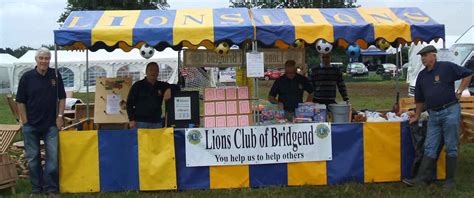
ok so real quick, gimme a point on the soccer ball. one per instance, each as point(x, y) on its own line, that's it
point(222, 48)
point(323, 47)
point(353, 51)
point(382, 44)
point(147, 51)
point(298, 43)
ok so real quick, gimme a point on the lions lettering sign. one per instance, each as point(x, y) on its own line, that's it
point(258, 144)
point(208, 27)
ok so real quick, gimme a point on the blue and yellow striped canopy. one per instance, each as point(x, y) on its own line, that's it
point(204, 27)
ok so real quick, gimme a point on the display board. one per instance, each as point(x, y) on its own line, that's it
point(111, 100)
point(183, 109)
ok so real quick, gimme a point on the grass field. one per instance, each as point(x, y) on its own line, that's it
point(364, 93)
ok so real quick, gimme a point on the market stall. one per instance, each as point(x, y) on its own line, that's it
point(158, 159)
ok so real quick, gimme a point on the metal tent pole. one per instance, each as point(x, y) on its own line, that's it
point(255, 87)
point(87, 84)
point(56, 76)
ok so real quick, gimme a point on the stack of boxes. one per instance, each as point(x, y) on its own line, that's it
point(227, 107)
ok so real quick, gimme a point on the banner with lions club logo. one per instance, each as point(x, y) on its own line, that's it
point(258, 144)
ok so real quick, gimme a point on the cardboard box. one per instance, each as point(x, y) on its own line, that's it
point(231, 93)
point(231, 107)
point(209, 122)
point(209, 108)
point(221, 108)
point(243, 93)
point(220, 93)
point(232, 121)
point(221, 121)
point(244, 106)
point(244, 120)
point(209, 94)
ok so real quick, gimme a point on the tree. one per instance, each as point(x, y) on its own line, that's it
point(77, 5)
point(293, 3)
point(17, 52)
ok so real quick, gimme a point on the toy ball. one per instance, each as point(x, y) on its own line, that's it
point(382, 44)
point(323, 47)
point(222, 49)
point(147, 51)
point(353, 51)
point(298, 43)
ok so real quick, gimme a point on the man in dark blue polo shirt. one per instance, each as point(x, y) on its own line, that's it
point(41, 98)
point(435, 89)
point(290, 88)
point(146, 98)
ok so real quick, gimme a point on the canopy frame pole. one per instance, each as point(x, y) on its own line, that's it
point(56, 76)
point(256, 113)
point(397, 86)
point(87, 84)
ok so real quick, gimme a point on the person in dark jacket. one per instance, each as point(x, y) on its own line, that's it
point(145, 100)
point(325, 79)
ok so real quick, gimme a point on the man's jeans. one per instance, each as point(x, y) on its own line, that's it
point(444, 123)
point(47, 180)
point(149, 125)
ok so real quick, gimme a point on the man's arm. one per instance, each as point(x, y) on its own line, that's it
point(464, 83)
point(308, 88)
point(22, 113)
point(59, 119)
point(167, 94)
point(131, 102)
point(342, 86)
point(310, 97)
point(419, 108)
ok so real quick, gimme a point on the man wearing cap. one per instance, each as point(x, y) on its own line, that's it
point(435, 89)
point(290, 88)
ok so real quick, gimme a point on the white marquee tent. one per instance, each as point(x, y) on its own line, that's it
point(72, 66)
point(6, 67)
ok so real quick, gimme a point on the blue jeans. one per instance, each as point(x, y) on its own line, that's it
point(42, 180)
point(444, 123)
point(149, 125)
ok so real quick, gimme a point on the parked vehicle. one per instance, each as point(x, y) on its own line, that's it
point(272, 74)
point(387, 69)
point(357, 68)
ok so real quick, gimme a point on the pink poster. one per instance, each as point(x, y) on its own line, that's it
point(220, 93)
point(209, 94)
point(232, 121)
point(244, 120)
point(220, 108)
point(243, 92)
point(221, 121)
point(209, 108)
point(209, 122)
point(231, 93)
point(244, 106)
point(231, 107)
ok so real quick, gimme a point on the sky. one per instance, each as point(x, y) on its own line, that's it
point(31, 22)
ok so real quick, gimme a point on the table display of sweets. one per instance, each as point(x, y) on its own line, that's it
point(310, 112)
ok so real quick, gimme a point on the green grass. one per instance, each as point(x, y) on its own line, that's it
point(372, 93)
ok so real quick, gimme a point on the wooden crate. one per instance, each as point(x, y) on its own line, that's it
point(8, 175)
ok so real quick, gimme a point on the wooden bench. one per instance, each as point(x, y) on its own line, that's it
point(467, 128)
point(467, 104)
point(8, 174)
point(13, 107)
point(406, 104)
